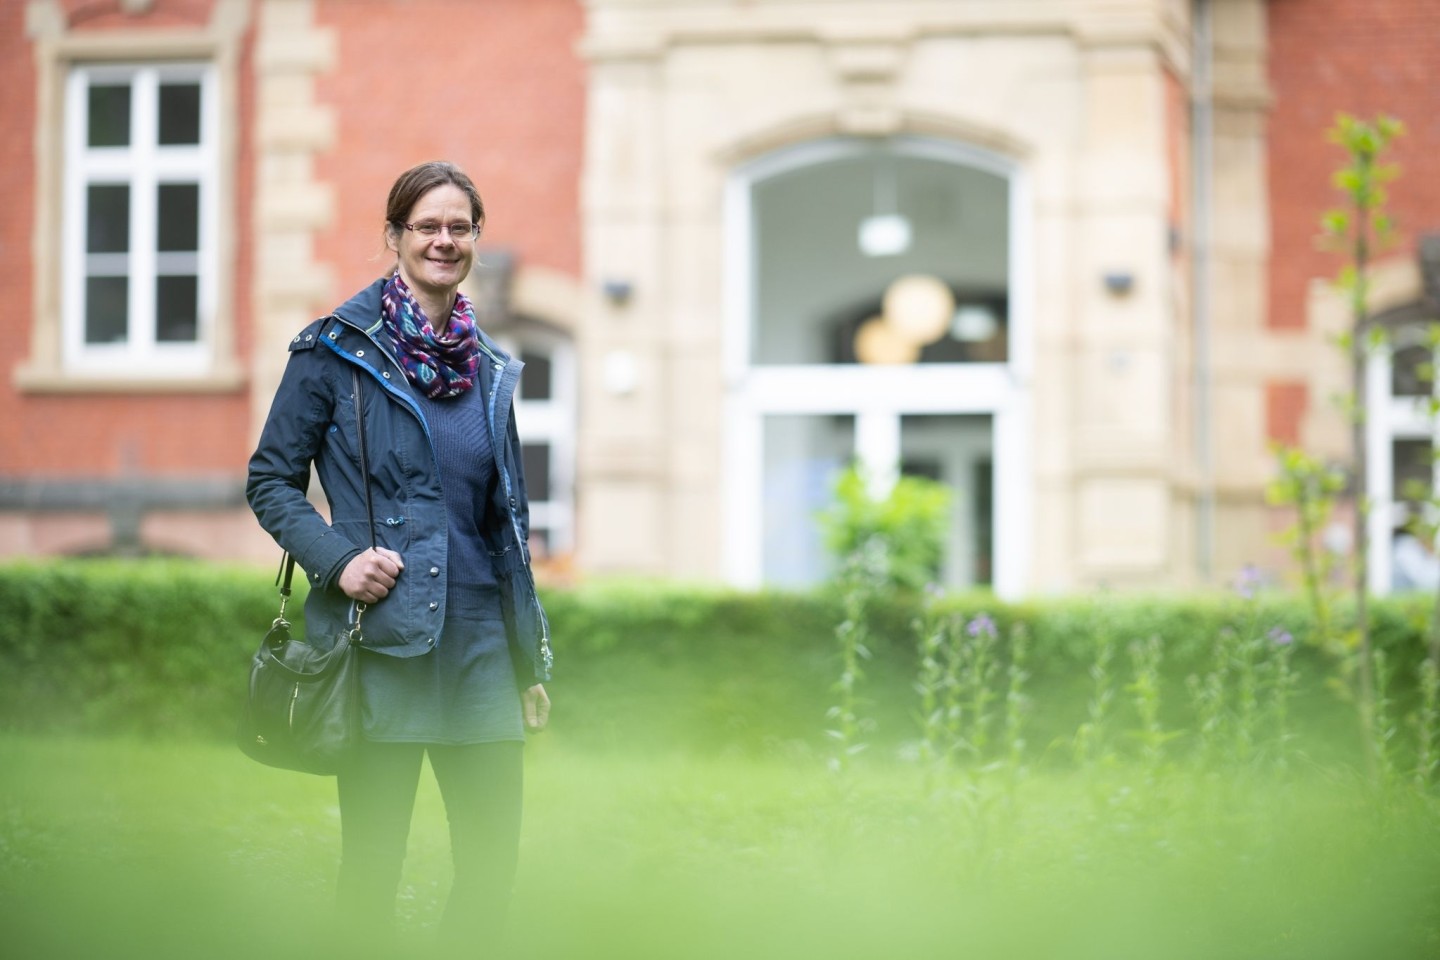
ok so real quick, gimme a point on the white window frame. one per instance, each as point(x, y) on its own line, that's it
point(550, 422)
point(1392, 418)
point(143, 165)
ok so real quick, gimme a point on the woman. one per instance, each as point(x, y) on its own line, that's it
point(456, 647)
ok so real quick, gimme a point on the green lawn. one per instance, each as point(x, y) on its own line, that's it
point(125, 848)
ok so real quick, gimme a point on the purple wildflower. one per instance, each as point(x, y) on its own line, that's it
point(1280, 637)
point(981, 624)
point(1247, 581)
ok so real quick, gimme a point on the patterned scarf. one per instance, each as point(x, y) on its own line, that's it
point(438, 364)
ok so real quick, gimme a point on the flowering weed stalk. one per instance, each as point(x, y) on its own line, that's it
point(978, 656)
point(1208, 696)
point(1091, 739)
point(930, 630)
point(1427, 723)
point(1382, 726)
point(850, 636)
point(1247, 658)
point(1282, 686)
point(1144, 690)
point(1247, 651)
point(952, 685)
point(1017, 704)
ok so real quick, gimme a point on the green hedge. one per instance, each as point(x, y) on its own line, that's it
point(163, 647)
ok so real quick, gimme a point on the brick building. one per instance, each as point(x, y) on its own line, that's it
point(1058, 254)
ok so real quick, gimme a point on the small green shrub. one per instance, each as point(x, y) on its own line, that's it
point(906, 528)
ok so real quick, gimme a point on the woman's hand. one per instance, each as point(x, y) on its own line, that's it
point(369, 577)
point(536, 703)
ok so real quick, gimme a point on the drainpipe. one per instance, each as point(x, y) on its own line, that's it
point(1201, 189)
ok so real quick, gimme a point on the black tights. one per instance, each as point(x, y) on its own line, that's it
point(481, 785)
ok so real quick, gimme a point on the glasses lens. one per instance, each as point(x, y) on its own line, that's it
point(427, 229)
point(462, 230)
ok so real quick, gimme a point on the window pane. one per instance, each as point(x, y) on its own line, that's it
point(106, 309)
point(977, 331)
point(803, 454)
point(817, 281)
point(109, 116)
point(179, 215)
point(535, 381)
point(179, 113)
point(176, 309)
point(1411, 371)
point(1414, 469)
point(107, 219)
point(535, 457)
point(957, 450)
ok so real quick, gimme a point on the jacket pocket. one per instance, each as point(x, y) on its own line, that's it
point(392, 531)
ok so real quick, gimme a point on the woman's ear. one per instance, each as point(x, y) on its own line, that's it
point(392, 239)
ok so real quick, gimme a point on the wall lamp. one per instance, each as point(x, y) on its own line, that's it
point(1119, 282)
point(618, 292)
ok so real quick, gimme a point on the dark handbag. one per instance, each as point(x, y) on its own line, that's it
point(303, 708)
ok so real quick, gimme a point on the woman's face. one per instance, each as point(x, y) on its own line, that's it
point(434, 266)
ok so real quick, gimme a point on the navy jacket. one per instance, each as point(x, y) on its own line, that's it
point(312, 421)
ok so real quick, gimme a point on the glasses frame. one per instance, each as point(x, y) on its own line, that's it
point(445, 229)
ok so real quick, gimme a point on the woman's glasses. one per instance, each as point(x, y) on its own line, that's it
point(460, 231)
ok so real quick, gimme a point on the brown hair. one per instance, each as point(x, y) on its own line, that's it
point(414, 183)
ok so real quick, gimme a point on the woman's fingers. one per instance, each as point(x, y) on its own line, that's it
point(537, 708)
point(370, 576)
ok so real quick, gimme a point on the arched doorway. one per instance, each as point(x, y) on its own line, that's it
point(829, 245)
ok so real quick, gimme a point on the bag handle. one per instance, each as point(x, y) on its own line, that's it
point(287, 560)
point(364, 462)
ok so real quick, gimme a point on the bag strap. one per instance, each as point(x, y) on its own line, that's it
point(283, 578)
point(364, 462)
point(287, 561)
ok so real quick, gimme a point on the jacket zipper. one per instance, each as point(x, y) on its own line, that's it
point(542, 657)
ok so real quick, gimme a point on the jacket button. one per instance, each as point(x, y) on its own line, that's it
point(434, 571)
point(359, 353)
point(386, 374)
point(434, 605)
point(430, 641)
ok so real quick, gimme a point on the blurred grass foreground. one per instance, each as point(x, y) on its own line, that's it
point(684, 805)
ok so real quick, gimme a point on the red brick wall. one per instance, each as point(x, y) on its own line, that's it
point(494, 85)
point(1363, 57)
point(90, 434)
point(17, 219)
point(1285, 405)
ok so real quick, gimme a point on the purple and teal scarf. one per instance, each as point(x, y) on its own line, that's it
point(438, 364)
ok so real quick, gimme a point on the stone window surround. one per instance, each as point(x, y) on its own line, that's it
point(143, 169)
point(56, 50)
